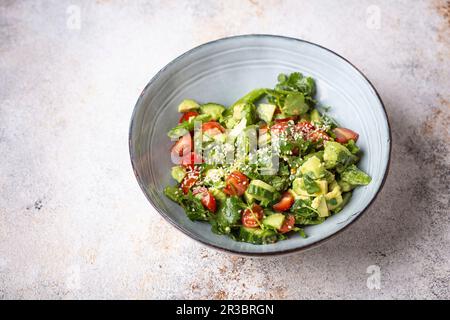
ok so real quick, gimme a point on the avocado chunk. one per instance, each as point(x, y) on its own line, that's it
point(237, 130)
point(345, 186)
point(334, 198)
point(178, 173)
point(188, 105)
point(241, 111)
point(230, 122)
point(355, 176)
point(315, 115)
point(300, 188)
point(337, 156)
point(265, 111)
point(213, 109)
point(320, 204)
point(318, 154)
point(332, 185)
point(345, 199)
point(245, 110)
point(257, 235)
point(274, 220)
point(329, 177)
point(249, 98)
point(313, 168)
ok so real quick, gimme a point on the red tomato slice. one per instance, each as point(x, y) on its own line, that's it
point(189, 180)
point(207, 199)
point(190, 159)
point(279, 127)
point(251, 218)
point(212, 128)
point(187, 115)
point(344, 134)
point(288, 224)
point(237, 183)
point(318, 135)
point(181, 148)
point(287, 200)
point(304, 128)
point(229, 190)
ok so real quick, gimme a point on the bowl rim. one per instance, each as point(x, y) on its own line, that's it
point(244, 253)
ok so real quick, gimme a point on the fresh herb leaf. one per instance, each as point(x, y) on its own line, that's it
point(352, 147)
point(229, 214)
point(180, 130)
point(301, 232)
point(295, 105)
point(191, 205)
point(296, 82)
point(187, 126)
point(310, 185)
point(304, 213)
point(279, 183)
point(173, 193)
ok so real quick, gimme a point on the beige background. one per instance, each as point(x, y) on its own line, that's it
point(73, 221)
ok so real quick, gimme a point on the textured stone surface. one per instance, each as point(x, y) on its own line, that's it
point(73, 221)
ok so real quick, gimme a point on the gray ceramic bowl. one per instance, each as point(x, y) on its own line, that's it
point(224, 70)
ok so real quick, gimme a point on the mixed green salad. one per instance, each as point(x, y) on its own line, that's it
point(265, 167)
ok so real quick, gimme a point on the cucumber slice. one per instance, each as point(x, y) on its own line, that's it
point(261, 184)
point(248, 198)
point(257, 235)
point(218, 194)
point(261, 191)
point(275, 220)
